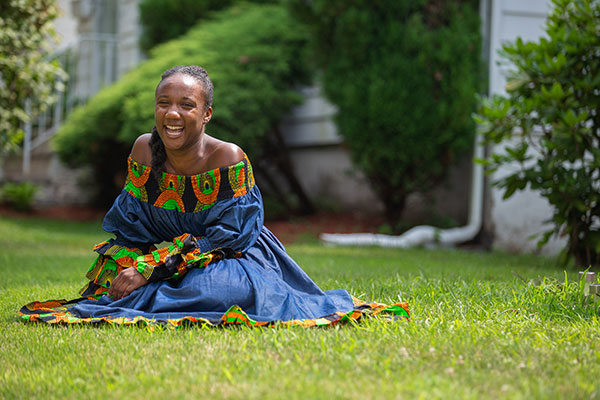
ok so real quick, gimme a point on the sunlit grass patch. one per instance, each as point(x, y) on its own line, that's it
point(482, 325)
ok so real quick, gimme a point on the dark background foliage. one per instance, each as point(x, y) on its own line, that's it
point(404, 75)
point(163, 20)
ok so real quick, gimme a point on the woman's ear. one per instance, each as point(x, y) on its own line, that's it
point(207, 115)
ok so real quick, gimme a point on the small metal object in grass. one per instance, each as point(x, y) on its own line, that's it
point(594, 288)
point(589, 276)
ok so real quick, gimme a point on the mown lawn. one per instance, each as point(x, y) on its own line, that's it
point(484, 325)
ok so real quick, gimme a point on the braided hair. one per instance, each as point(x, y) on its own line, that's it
point(157, 148)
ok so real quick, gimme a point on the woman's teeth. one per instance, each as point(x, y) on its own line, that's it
point(174, 130)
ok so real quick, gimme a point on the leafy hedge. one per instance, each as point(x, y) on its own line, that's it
point(549, 126)
point(180, 14)
point(253, 55)
point(26, 70)
point(404, 75)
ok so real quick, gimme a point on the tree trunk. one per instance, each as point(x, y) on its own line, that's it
point(272, 185)
point(278, 153)
point(394, 202)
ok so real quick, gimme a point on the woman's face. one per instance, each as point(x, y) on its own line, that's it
point(179, 112)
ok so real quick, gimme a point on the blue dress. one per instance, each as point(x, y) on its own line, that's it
point(222, 266)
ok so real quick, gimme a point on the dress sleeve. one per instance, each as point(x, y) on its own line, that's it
point(228, 228)
point(233, 224)
point(112, 259)
point(131, 222)
point(134, 237)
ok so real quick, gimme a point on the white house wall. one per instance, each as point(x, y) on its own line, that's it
point(322, 164)
point(525, 214)
point(128, 33)
point(65, 26)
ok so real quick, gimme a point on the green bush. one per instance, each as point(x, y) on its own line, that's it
point(180, 14)
point(550, 127)
point(19, 196)
point(253, 54)
point(27, 71)
point(404, 75)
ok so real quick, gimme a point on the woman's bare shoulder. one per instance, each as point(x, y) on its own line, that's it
point(226, 154)
point(140, 151)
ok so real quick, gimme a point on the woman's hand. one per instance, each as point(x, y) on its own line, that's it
point(126, 282)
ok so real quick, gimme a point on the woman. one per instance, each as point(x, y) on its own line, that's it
point(224, 266)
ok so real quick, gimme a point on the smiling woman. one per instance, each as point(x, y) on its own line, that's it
point(181, 111)
point(223, 266)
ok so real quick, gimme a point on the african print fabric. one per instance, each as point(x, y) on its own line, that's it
point(57, 312)
point(189, 193)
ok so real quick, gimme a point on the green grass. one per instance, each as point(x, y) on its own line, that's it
point(484, 325)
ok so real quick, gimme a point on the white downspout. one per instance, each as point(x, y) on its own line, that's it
point(421, 235)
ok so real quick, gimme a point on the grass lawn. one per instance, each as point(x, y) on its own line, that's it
point(483, 325)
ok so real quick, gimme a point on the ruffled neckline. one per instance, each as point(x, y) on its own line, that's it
point(188, 193)
point(131, 161)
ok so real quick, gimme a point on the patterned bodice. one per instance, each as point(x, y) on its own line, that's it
point(189, 193)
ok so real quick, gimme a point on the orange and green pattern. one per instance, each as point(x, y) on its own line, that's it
point(112, 259)
point(56, 312)
point(189, 193)
point(171, 262)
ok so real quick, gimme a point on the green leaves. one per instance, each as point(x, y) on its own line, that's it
point(553, 103)
point(404, 76)
point(26, 71)
point(19, 196)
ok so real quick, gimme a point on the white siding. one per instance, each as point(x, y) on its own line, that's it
point(524, 214)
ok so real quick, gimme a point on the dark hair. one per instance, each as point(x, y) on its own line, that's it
point(159, 156)
point(196, 72)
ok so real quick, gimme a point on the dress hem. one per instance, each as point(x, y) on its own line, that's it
point(55, 312)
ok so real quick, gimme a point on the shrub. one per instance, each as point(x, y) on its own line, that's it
point(180, 14)
point(19, 196)
point(549, 125)
point(26, 72)
point(403, 75)
point(253, 54)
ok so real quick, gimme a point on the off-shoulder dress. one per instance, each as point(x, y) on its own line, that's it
point(221, 264)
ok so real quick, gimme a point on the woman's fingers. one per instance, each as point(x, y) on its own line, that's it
point(116, 289)
point(125, 283)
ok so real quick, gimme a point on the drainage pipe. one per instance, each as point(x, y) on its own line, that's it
point(422, 235)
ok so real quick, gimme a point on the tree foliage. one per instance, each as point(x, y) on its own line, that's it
point(253, 56)
point(549, 124)
point(180, 14)
point(404, 76)
point(26, 71)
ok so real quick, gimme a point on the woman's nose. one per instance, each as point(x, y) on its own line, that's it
point(172, 112)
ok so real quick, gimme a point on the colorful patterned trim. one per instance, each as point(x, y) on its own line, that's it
point(189, 193)
point(111, 260)
point(56, 312)
point(173, 261)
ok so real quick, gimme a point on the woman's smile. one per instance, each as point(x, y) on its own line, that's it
point(173, 131)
